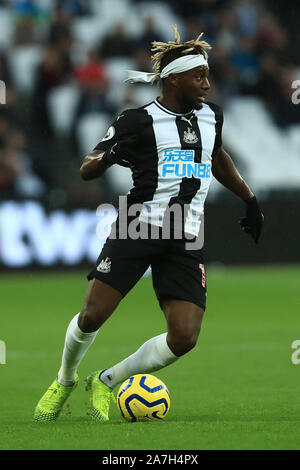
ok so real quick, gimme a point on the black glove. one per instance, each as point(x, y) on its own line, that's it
point(122, 152)
point(254, 219)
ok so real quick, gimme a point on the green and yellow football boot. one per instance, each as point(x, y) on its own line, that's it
point(100, 396)
point(52, 402)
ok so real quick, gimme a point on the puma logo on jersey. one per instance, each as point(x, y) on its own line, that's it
point(187, 120)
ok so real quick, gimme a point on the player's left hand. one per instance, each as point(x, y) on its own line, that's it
point(254, 219)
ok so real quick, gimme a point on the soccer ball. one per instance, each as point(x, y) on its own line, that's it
point(143, 397)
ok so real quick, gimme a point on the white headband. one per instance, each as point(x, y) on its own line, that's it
point(182, 64)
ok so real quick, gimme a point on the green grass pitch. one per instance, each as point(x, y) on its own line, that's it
point(238, 389)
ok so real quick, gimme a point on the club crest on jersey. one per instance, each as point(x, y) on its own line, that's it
point(190, 136)
point(104, 266)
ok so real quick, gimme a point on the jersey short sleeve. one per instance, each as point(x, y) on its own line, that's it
point(219, 117)
point(125, 125)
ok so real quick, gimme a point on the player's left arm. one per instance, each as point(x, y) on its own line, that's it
point(226, 173)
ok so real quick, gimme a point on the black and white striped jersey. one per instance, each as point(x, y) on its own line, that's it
point(173, 158)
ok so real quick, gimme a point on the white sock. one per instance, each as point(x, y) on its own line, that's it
point(76, 344)
point(152, 355)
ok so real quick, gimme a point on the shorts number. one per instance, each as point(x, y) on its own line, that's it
point(201, 266)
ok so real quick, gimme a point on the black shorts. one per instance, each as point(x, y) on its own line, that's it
point(177, 273)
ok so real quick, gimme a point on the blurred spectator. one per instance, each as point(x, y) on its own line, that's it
point(247, 16)
point(142, 60)
point(4, 128)
point(93, 81)
point(93, 84)
point(275, 88)
point(223, 72)
point(16, 176)
point(268, 86)
point(60, 27)
point(29, 22)
point(92, 71)
point(75, 7)
point(245, 60)
point(285, 111)
point(93, 99)
point(54, 70)
point(270, 34)
point(26, 8)
point(193, 27)
point(192, 8)
point(226, 35)
point(26, 32)
point(117, 43)
point(149, 35)
point(4, 68)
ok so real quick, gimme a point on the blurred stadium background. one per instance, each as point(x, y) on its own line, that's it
point(63, 63)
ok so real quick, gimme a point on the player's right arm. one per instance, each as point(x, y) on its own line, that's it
point(116, 147)
point(93, 165)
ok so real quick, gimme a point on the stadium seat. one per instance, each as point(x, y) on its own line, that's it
point(62, 103)
point(116, 69)
point(116, 93)
point(23, 62)
point(91, 128)
point(120, 179)
point(111, 12)
point(261, 145)
point(6, 27)
point(144, 94)
point(88, 32)
point(46, 5)
point(121, 9)
point(126, 96)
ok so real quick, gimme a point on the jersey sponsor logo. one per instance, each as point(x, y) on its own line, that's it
point(181, 163)
point(172, 155)
point(104, 266)
point(109, 134)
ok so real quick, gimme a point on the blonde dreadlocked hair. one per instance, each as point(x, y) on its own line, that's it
point(162, 49)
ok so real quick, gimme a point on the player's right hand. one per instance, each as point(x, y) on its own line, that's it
point(122, 152)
